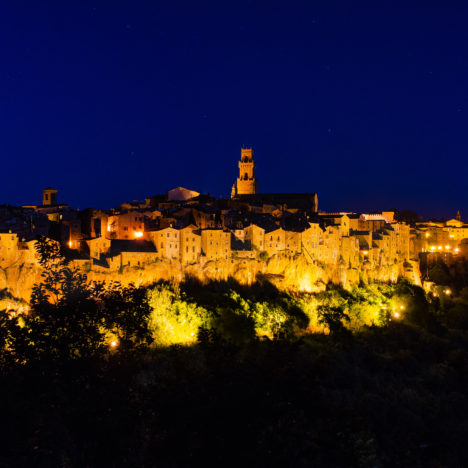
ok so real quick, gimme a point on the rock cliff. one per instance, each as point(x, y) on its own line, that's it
point(286, 271)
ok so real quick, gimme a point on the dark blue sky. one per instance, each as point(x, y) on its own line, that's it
point(364, 103)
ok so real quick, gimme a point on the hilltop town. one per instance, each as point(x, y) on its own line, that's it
point(252, 235)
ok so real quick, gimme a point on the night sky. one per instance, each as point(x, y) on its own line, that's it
point(365, 103)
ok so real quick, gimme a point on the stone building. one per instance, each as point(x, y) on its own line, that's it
point(216, 244)
point(166, 241)
point(292, 241)
point(190, 244)
point(256, 236)
point(126, 226)
point(49, 196)
point(275, 241)
point(311, 237)
point(98, 246)
point(371, 222)
point(205, 216)
point(246, 183)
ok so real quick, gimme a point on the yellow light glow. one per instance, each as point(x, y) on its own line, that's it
point(427, 234)
point(396, 314)
point(447, 292)
point(447, 247)
point(440, 247)
point(452, 236)
point(108, 228)
point(138, 234)
point(70, 243)
point(365, 252)
point(402, 307)
point(432, 247)
point(114, 344)
point(457, 250)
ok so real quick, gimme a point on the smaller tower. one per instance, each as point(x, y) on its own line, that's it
point(246, 183)
point(458, 216)
point(49, 196)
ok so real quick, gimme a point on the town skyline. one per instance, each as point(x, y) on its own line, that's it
point(364, 105)
point(343, 208)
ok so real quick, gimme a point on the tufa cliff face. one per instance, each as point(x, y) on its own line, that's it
point(287, 271)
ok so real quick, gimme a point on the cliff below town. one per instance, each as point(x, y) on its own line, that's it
point(288, 272)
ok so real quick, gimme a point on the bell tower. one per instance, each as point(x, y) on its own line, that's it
point(246, 184)
point(49, 196)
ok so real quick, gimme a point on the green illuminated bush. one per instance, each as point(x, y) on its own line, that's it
point(173, 319)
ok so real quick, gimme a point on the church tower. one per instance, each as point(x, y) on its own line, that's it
point(49, 196)
point(246, 184)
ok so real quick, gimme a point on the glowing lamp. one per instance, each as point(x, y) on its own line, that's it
point(452, 236)
point(440, 247)
point(457, 250)
point(113, 344)
point(427, 234)
point(365, 252)
point(447, 292)
point(396, 314)
point(402, 307)
point(70, 243)
point(108, 228)
point(138, 234)
point(447, 247)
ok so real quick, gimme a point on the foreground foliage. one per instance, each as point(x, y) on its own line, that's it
point(227, 375)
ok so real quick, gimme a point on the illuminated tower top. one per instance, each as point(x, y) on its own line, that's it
point(246, 184)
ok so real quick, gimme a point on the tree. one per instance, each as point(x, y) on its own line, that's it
point(65, 320)
point(334, 318)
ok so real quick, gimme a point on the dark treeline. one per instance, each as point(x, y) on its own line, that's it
point(229, 375)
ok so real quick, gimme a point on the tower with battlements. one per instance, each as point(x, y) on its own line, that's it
point(246, 184)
